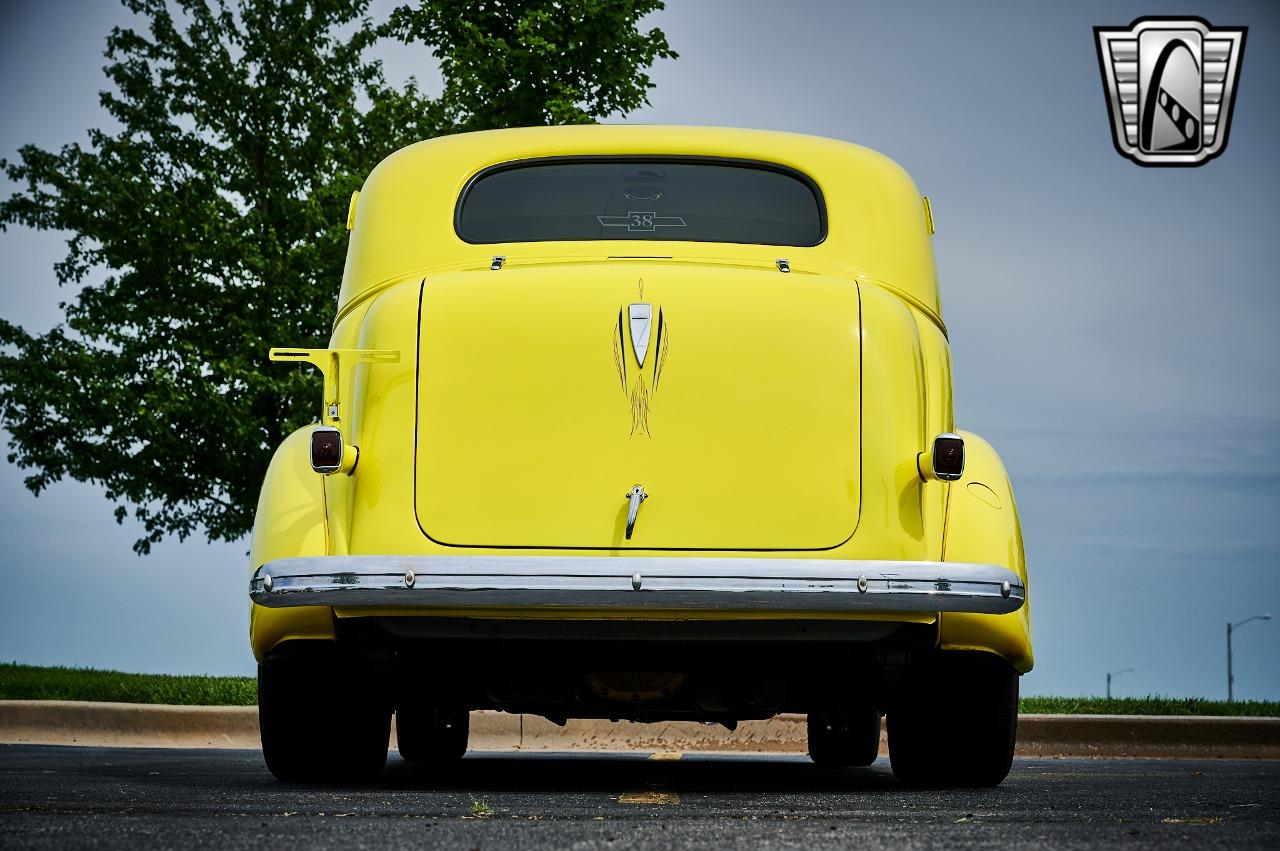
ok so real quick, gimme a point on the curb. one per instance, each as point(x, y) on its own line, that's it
point(127, 725)
point(59, 722)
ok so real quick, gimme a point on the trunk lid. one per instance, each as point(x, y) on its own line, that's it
point(544, 396)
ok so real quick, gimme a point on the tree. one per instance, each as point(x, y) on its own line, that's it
point(536, 62)
point(212, 224)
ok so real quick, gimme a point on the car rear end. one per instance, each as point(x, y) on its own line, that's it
point(645, 452)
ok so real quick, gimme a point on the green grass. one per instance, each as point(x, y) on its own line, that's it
point(1152, 705)
point(29, 682)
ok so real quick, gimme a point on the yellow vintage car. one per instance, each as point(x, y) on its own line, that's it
point(648, 423)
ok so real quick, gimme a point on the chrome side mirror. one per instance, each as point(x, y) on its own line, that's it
point(944, 462)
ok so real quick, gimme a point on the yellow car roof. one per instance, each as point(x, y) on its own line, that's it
point(403, 219)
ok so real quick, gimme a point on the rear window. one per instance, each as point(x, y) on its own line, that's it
point(642, 200)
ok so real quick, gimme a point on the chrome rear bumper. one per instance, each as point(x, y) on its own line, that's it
point(640, 582)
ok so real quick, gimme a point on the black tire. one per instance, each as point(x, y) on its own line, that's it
point(955, 722)
point(426, 732)
point(844, 735)
point(322, 720)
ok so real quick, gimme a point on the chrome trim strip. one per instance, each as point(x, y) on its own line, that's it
point(638, 582)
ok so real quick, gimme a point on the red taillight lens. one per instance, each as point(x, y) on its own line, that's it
point(948, 457)
point(326, 449)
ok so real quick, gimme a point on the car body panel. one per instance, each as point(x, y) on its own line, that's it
point(982, 524)
point(741, 424)
point(290, 522)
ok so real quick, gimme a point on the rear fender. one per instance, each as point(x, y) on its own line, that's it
point(982, 526)
point(291, 521)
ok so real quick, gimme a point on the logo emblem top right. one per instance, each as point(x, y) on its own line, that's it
point(1170, 85)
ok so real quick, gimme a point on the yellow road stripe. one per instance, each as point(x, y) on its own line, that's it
point(648, 798)
point(653, 796)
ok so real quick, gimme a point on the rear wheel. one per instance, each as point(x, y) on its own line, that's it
point(955, 722)
point(844, 735)
point(321, 718)
point(427, 732)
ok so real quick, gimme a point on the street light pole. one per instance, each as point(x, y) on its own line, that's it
point(1231, 627)
point(1111, 674)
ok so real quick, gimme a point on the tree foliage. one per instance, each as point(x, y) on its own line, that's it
point(536, 62)
point(211, 223)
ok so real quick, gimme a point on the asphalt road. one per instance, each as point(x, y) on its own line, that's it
point(63, 797)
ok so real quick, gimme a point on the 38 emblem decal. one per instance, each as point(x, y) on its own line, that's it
point(642, 222)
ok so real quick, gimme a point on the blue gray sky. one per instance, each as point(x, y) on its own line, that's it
point(1112, 326)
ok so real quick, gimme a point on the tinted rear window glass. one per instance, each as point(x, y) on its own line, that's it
point(637, 200)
